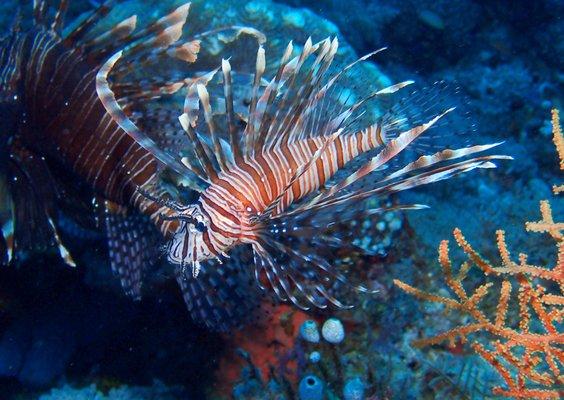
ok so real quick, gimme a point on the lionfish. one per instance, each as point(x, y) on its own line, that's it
point(273, 180)
point(266, 179)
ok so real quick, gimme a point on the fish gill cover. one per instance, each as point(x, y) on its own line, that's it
point(260, 139)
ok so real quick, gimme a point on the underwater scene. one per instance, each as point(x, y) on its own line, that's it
point(291, 199)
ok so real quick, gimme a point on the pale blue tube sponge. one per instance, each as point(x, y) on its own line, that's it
point(333, 331)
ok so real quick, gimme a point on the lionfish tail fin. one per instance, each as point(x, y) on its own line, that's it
point(419, 104)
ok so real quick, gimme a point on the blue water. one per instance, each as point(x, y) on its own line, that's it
point(70, 333)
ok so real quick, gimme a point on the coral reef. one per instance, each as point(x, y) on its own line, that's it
point(354, 389)
point(527, 353)
point(264, 353)
point(509, 74)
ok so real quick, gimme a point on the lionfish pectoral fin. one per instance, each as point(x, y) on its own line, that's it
point(298, 276)
point(296, 255)
point(196, 267)
point(265, 263)
point(222, 297)
point(133, 245)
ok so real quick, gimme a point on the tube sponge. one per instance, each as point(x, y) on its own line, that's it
point(310, 388)
point(333, 331)
point(309, 331)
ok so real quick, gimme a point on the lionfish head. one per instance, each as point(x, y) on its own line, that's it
point(194, 239)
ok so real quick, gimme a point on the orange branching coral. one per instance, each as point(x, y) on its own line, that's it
point(529, 355)
point(558, 140)
point(529, 358)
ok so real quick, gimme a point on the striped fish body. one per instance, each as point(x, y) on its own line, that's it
point(248, 189)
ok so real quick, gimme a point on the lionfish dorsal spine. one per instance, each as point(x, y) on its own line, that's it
point(85, 26)
point(282, 127)
point(229, 111)
point(58, 19)
point(250, 133)
point(109, 101)
point(264, 115)
point(202, 155)
point(121, 31)
point(205, 100)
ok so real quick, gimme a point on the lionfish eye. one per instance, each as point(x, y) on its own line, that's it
point(201, 227)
